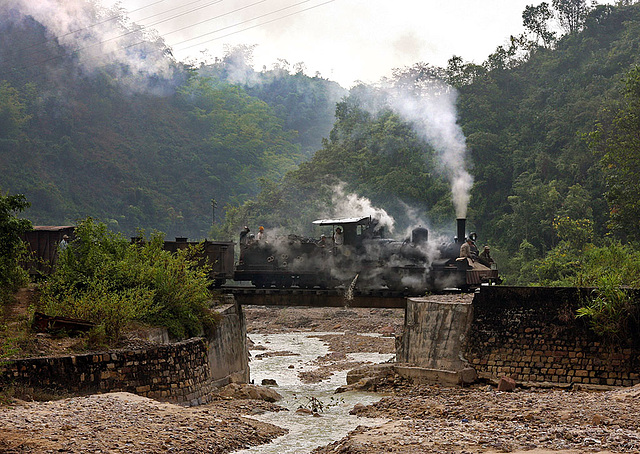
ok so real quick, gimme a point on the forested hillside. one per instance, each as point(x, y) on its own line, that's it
point(526, 112)
point(526, 127)
point(137, 140)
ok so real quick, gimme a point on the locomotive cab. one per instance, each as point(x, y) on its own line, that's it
point(354, 230)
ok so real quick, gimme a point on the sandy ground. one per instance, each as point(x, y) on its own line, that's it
point(424, 419)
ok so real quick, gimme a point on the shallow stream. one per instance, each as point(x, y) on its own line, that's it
point(305, 431)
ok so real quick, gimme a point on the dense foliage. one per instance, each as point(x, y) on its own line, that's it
point(12, 248)
point(616, 141)
point(102, 278)
point(137, 146)
point(304, 104)
point(526, 114)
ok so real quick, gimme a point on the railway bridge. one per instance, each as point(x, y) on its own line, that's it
point(250, 296)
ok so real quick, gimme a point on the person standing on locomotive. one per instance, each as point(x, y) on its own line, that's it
point(244, 235)
point(466, 250)
point(338, 237)
point(262, 236)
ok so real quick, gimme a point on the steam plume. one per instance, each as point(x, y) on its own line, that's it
point(430, 106)
point(433, 114)
point(349, 205)
point(97, 37)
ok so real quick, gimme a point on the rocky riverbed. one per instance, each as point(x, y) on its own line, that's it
point(429, 419)
point(420, 419)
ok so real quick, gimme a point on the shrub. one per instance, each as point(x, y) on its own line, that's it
point(102, 278)
point(613, 311)
point(12, 248)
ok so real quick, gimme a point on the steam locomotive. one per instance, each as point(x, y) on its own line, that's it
point(359, 256)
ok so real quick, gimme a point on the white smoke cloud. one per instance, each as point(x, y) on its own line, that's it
point(430, 106)
point(350, 205)
point(97, 37)
point(434, 118)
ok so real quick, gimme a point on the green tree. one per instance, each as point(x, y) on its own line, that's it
point(12, 111)
point(618, 144)
point(11, 245)
point(533, 207)
point(536, 20)
point(459, 73)
point(571, 14)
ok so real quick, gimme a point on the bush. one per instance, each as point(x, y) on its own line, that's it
point(612, 270)
point(102, 278)
point(613, 311)
point(12, 248)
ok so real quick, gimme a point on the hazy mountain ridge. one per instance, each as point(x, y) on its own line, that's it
point(81, 142)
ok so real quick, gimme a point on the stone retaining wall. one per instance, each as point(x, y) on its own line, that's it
point(434, 332)
point(184, 372)
point(530, 334)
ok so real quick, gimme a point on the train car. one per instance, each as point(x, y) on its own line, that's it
point(43, 245)
point(219, 255)
point(356, 253)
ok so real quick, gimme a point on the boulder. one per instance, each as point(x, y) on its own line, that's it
point(506, 384)
point(246, 391)
point(377, 373)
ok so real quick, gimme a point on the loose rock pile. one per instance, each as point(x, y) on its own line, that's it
point(437, 420)
point(122, 422)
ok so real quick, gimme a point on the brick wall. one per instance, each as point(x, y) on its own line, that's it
point(531, 334)
point(184, 372)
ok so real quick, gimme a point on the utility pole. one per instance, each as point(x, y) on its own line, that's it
point(213, 209)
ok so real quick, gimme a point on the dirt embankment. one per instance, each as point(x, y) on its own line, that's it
point(429, 419)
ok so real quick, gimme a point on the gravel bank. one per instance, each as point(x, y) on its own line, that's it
point(428, 419)
point(126, 423)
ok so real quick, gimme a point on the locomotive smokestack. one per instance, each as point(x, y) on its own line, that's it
point(462, 226)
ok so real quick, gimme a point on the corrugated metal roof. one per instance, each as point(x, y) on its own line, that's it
point(341, 221)
point(53, 228)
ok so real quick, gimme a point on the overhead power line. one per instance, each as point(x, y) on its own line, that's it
point(122, 35)
point(251, 20)
point(31, 54)
point(75, 51)
point(104, 21)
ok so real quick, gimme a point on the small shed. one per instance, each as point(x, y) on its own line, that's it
point(42, 243)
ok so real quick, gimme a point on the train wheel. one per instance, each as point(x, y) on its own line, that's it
point(259, 283)
point(285, 282)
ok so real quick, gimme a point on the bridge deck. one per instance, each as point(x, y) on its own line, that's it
point(316, 298)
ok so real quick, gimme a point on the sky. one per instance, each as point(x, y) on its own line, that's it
point(342, 40)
